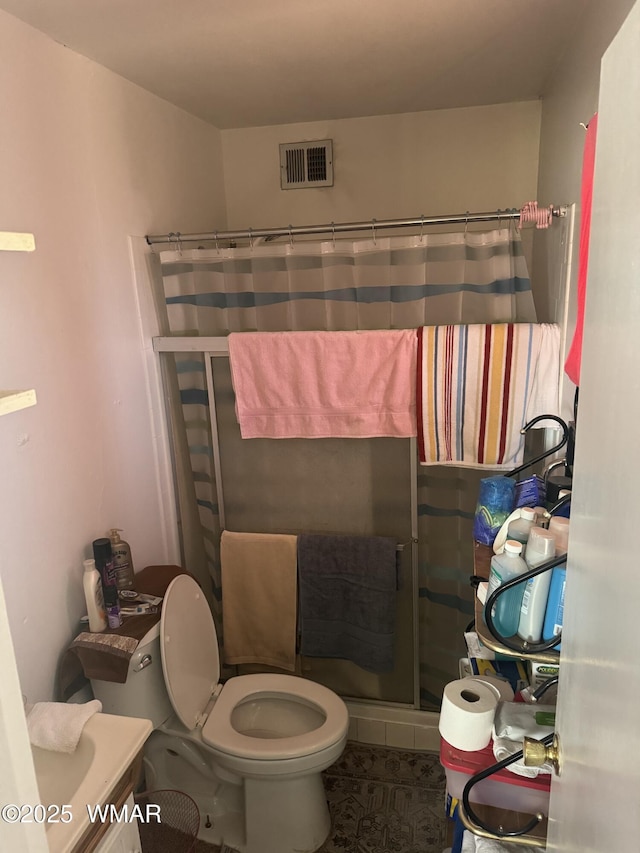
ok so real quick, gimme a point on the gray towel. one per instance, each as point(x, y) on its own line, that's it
point(347, 589)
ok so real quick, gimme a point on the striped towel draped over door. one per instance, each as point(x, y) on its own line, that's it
point(478, 385)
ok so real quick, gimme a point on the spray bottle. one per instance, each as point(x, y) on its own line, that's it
point(104, 564)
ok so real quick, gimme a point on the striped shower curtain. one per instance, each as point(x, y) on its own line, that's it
point(387, 283)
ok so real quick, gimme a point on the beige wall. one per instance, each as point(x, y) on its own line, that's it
point(438, 162)
point(571, 98)
point(87, 159)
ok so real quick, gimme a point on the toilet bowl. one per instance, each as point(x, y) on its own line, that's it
point(250, 752)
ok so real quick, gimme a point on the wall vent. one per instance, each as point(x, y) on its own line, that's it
point(306, 164)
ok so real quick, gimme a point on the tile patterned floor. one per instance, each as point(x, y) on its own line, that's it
point(385, 800)
point(382, 800)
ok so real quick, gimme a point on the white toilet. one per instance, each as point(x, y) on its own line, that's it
point(249, 752)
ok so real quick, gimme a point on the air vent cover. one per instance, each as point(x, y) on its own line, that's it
point(306, 164)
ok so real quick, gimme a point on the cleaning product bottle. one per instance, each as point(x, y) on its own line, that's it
point(106, 568)
point(541, 548)
point(122, 559)
point(504, 567)
point(520, 528)
point(93, 594)
point(554, 614)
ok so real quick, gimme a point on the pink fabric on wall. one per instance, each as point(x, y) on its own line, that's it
point(572, 364)
point(358, 384)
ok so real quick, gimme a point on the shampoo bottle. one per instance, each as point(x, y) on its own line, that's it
point(93, 594)
point(123, 564)
point(541, 548)
point(505, 567)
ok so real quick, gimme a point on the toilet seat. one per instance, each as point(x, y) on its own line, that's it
point(191, 667)
point(189, 650)
point(219, 732)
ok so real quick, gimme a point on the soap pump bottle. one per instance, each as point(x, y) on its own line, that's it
point(92, 585)
point(122, 561)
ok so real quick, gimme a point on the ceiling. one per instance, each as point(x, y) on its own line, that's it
point(242, 63)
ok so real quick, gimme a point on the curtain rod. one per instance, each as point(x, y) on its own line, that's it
point(333, 228)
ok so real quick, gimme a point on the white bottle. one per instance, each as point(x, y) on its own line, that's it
point(541, 548)
point(520, 528)
point(93, 594)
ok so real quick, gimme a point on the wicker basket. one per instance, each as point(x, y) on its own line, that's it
point(177, 829)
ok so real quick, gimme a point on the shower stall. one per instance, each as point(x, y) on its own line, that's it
point(368, 487)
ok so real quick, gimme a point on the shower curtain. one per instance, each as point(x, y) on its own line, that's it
point(383, 283)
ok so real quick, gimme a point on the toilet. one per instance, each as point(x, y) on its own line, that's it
point(250, 752)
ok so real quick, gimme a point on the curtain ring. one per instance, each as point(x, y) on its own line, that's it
point(178, 242)
point(217, 246)
point(422, 227)
point(290, 236)
point(251, 238)
point(333, 233)
point(466, 223)
point(499, 218)
point(373, 231)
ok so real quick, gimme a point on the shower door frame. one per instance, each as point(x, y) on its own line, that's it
point(218, 347)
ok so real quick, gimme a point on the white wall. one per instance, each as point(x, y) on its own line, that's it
point(437, 162)
point(87, 159)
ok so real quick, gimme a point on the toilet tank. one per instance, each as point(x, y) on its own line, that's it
point(144, 693)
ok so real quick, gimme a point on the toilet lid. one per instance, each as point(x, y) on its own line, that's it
point(189, 649)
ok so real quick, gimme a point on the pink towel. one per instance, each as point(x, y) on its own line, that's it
point(325, 384)
point(574, 358)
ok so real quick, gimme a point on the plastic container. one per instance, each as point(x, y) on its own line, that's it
point(564, 511)
point(495, 502)
point(502, 790)
point(560, 529)
point(505, 567)
point(540, 549)
point(554, 614)
point(520, 528)
point(92, 585)
point(123, 564)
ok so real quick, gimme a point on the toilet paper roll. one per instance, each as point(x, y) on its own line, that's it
point(499, 686)
point(467, 712)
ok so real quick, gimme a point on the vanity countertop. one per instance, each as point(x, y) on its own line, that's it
point(86, 777)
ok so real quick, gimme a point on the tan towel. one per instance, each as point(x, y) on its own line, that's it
point(259, 591)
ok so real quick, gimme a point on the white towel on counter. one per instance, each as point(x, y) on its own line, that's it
point(57, 726)
point(476, 844)
point(513, 722)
